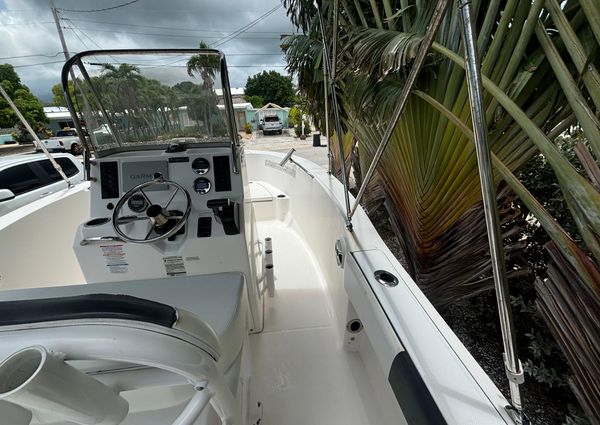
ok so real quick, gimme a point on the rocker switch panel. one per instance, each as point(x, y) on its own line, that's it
point(222, 173)
point(109, 179)
point(204, 227)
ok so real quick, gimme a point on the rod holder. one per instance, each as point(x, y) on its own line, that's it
point(287, 157)
point(40, 381)
point(269, 271)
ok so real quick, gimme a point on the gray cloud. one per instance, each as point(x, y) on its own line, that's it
point(28, 29)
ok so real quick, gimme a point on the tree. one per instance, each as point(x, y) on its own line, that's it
point(29, 105)
point(58, 97)
point(193, 96)
point(206, 65)
point(124, 86)
point(256, 101)
point(272, 87)
point(430, 171)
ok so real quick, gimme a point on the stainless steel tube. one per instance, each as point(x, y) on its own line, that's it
point(474, 84)
point(325, 89)
point(328, 60)
point(438, 14)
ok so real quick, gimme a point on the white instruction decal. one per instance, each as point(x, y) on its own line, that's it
point(115, 258)
point(174, 266)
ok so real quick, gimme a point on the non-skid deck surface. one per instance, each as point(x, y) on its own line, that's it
point(300, 373)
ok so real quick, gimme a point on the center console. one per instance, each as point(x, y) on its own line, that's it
point(213, 238)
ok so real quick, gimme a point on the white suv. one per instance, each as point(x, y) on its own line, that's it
point(26, 178)
point(272, 124)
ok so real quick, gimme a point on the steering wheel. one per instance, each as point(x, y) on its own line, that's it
point(156, 215)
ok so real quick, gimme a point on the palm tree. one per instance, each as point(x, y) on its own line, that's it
point(206, 66)
point(430, 169)
point(540, 66)
point(124, 84)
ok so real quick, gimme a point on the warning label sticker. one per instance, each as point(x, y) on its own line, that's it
point(174, 266)
point(115, 258)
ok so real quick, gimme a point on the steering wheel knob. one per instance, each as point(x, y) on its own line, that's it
point(157, 214)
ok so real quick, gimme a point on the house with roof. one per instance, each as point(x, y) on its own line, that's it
point(271, 109)
point(237, 95)
point(59, 118)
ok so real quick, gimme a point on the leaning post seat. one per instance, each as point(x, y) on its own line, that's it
point(190, 327)
point(88, 306)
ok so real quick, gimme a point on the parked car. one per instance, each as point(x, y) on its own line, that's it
point(26, 178)
point(272, 124)
point(66, 140)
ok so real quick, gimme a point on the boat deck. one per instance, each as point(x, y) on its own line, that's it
point(301, 375)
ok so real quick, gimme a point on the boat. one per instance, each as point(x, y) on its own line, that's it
point(195, 281)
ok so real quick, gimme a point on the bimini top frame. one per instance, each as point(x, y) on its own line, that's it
point(77, 61)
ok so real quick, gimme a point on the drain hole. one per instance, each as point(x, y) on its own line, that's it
point(269, 251)
point(268, 239)
point(269, 266)
point(281, 196)
point(354, 326)
point(386, 278)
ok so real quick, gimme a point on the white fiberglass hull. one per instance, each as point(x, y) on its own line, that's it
point(310, 364)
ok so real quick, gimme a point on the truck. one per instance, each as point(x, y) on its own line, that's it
point(66, 140)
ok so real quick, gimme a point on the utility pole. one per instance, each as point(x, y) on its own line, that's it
point(60, 32)
point(86, 154)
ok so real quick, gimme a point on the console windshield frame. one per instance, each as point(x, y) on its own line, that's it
point(77, 61)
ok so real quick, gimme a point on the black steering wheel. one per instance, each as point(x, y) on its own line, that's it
point(156, 215)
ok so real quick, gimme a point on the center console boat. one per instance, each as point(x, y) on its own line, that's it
point(196, 282)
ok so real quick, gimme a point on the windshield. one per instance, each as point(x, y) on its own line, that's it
point(131, 100)
point(63, 133)
point(272, 119)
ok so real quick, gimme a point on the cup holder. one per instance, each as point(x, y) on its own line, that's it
point(386, 278)
point(97, 221)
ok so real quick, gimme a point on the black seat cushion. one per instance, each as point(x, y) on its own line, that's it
point(90, 306)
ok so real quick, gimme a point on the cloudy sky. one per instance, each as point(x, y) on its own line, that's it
point(246, 30)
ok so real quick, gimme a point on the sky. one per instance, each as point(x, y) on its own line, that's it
point(247, 31)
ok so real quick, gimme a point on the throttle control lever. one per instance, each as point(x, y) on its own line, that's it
point(227, 212)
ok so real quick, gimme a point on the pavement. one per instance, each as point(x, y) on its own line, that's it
point(286, 141)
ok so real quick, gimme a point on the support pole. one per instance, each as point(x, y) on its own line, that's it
point(328, 60)
point(513, 367)
point(436, 20)
point(325, 89)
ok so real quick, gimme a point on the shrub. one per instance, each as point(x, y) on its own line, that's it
point(295, 116)
point(306, 128)
point(248, 128)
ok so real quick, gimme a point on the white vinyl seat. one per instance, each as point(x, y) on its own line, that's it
point(218, 300)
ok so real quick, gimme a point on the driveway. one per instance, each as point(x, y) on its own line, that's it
point(284, 142)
